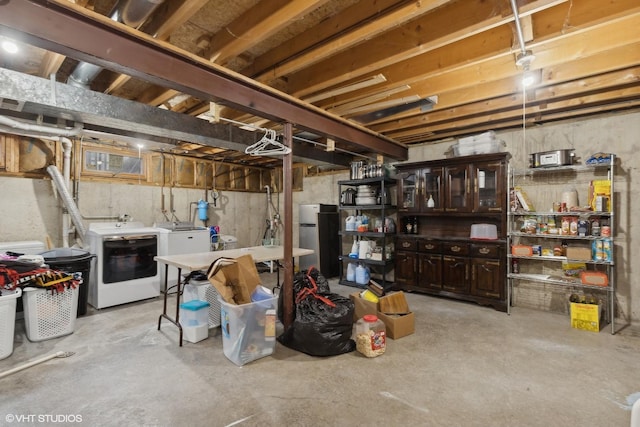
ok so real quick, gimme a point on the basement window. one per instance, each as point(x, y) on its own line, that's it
point(113, 164)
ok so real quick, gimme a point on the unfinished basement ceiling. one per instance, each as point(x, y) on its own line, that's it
point(409, 71)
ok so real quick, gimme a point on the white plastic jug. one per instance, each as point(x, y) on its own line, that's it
point(351, 223)
point(354, 249)
point(351, 272)
point(362, 274)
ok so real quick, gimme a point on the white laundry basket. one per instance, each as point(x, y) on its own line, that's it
point(49, 314)
point(8, 301)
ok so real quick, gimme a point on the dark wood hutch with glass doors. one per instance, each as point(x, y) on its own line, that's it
point(438, 202)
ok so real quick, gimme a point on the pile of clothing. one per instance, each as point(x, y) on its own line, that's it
point(20, 271)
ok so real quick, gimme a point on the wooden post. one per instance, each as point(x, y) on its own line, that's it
point(287, 178)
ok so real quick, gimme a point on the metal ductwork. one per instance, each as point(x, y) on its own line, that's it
point(130, 12)
point(136, 12)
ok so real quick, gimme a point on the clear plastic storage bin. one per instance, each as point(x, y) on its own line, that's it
point(194, 313)
point(49, 314)
point(248, 330)
point(203, 290)
point(8, 301)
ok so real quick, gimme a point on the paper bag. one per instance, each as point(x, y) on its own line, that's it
point(234, 279)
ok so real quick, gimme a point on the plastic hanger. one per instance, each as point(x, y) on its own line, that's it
point(268, 145)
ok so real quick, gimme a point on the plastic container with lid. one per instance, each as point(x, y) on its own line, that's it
point(371, 336)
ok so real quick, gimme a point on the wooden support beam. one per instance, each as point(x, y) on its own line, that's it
point(287, 173)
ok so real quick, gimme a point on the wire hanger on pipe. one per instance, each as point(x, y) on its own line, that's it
point(267, 146)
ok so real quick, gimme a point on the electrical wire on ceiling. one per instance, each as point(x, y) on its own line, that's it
point(566, 25)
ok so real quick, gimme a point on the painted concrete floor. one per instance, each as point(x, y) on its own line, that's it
point(466, 365)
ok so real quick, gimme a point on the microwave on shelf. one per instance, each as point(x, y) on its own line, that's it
point(543, 159)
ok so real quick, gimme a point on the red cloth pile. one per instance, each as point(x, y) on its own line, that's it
point(20, 274)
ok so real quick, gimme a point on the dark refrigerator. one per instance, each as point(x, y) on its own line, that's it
point(319, 225)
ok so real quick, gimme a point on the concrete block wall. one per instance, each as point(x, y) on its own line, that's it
point(32, 210)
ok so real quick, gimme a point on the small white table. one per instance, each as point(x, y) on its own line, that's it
point(202, 261)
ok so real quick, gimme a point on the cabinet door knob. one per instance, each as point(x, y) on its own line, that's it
point(429, 246)
point(455, 248)
point(484, 250)
point(406, 244)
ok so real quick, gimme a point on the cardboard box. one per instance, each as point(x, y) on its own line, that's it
point(521, 250)
point(398, 319)
point(362, 306)
point(596, 278)
point(579, 252)
point(234, 279)
point(394, 311)
point(585, 316)
point(398, 325)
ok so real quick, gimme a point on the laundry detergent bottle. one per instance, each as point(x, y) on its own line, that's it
point(362, 274)
point(354, 249)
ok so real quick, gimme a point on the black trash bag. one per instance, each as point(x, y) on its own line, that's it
point(322, 326)
point(312, 279)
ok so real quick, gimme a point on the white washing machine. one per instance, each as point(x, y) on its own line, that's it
point(181, 238)
point(124, 269)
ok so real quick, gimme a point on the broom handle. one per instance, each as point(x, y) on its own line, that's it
point(32, 363)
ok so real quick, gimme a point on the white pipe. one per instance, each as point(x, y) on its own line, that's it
point(66, 173)
point(67, 199)
point(54, 134)
point(44, 130)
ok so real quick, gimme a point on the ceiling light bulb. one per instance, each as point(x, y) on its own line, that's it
point(528, 80)
point(9, 46)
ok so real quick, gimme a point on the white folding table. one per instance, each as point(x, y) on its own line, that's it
point(202, 261)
